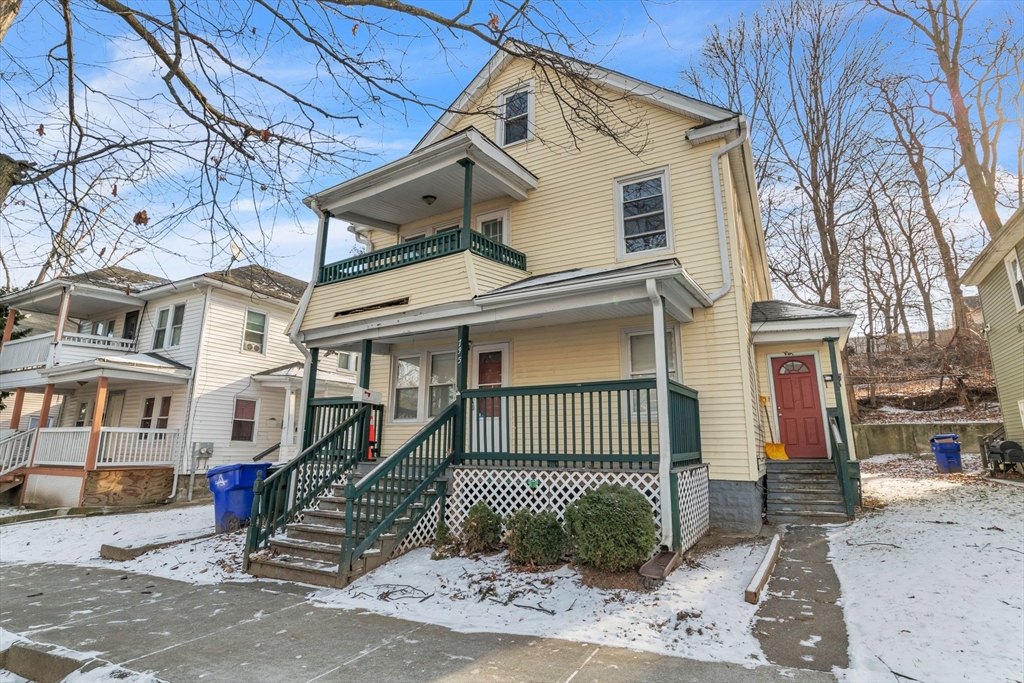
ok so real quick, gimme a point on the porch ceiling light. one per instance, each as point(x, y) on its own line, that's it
point(429, 199)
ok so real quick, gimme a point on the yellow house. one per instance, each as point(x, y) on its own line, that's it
point(540, 310)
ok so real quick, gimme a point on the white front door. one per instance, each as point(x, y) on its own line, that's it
point(489, 370)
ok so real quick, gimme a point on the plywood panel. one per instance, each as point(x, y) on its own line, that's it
point(127, 487)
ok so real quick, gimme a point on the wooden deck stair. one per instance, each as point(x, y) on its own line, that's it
point(310, 550)
point(804, 492)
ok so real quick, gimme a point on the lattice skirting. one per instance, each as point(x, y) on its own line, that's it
point(692, 490)
point(507, 490)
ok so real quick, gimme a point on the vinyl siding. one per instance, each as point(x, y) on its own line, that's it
point(131, 410)
point(1005, 334)
point(225, 372)
point(30, 408)
point(185, 351)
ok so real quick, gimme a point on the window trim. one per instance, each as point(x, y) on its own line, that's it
point(255, 420)
point(157, 329)
point(165, 341)
point(157, 402)
point(86, 418)
point(499, 120)
point(1008, 261)
point(620, 230)
point(266, 330)
point(671, 328)
point(504, 214)
point(425, 357)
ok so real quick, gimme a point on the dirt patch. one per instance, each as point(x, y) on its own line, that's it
point(611, 581)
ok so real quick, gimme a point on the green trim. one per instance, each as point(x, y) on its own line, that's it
point(581, 387)
point(365, 357)
point(467, 199)
point(325, 226)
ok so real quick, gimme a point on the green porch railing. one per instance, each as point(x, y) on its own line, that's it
point(841, 455)
point(323, 415)
point(593, 424)
point(418, 251)
point(387, 493)
point(684, 424)
point(294, 487)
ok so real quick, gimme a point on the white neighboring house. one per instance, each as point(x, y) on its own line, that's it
point(151, 373)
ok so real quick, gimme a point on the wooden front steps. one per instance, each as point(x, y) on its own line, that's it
point(804, 492)
point(310, 549)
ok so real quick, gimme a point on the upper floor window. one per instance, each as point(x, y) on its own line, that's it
point(514, 121)
point(494, 225)
point(103, 328)
point(1016, 279)
point(255, 336)
point(164, 337)
point(643, 214)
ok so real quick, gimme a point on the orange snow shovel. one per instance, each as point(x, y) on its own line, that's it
point(774, 451)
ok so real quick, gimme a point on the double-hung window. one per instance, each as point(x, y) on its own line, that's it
point(643, 213)
point(515, 114)
point(103, 328)
point(84, 415)
point(167, 336)
point(640, 355)
point(1013, 271)
point(255, 336)
point(494, 225)
point(243, 423)
point(424, 385)
point(348, 361)
point(156, 413)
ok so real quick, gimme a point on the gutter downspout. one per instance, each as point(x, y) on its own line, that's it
point(716, 181)
point(361, 237)
point(664, 433)
point(190, 396)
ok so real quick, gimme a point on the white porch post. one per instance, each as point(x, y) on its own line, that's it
point(664, 435)
point(288, 430)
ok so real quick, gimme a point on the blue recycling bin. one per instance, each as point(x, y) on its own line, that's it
point(946, 448)
point(231, 486)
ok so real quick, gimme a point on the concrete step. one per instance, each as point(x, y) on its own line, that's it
point(310, 550)
point(297, 569)
point(800, 508)
point(801, 466)
point(804, 498)
point(807, 518)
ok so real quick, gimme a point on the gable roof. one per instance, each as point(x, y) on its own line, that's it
point(116, 277)
point(699, 110)
point(262, 281)
point(774, 310)
point(996, 250)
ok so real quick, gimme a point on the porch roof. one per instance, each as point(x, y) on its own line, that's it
point(290, 376)
point(554, 299)
point(783, 321)
point(144, 367)
point(391, 195)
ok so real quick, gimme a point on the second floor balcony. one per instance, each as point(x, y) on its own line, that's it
point(42, 350)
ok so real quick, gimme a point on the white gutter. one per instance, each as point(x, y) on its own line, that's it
point(664, 433)
point(361, 237)
point(716, 181)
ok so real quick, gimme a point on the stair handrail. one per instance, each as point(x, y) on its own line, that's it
point(270, 512)
point(440, 455)
point(8, 450)
point(841, 455)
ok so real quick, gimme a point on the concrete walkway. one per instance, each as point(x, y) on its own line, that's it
point(266, 631)
point(799, 623)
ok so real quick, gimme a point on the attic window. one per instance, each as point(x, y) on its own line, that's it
point(514, 123)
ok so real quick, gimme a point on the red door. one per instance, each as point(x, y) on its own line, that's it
point(798, 403)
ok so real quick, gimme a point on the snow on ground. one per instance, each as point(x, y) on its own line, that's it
point(5, 511)
point(77, 540)
point(983, 412)
point(933, 580)
point(106, 673)
point(699, 612)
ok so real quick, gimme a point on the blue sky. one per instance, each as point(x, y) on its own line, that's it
point(626, 40)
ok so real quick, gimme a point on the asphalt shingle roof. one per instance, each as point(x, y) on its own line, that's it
point(774, 310)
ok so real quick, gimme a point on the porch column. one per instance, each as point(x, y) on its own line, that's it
point(309, 379)
point(9, 325)
point(288, 428)
point(44, 415)
point(62, 313)
point(837, 385)
point(467, 202)
point(664, 432)
point(461, 381)
point(322, 256)
point(365, 351)
point(19, 400)
point(98, 406)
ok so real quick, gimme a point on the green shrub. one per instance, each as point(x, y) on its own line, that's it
point(536, 539)
point(443, 535)
point(611, 528)
point(481, 530)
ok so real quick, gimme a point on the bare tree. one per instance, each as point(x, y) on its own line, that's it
point(213, 113)
point(800, 69)
point(980, 72)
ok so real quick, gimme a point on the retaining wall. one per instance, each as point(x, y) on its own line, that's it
point(880, 439)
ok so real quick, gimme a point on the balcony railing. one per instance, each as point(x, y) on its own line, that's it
point(418, 251)
point(25, 353)
point(116, 343)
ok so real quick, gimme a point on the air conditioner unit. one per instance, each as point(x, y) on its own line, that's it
point(252, 346)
